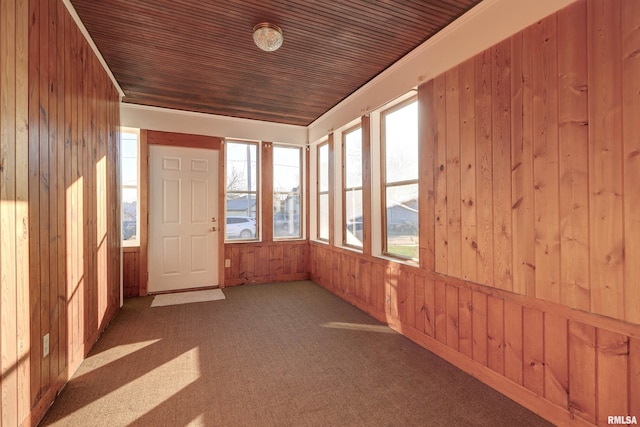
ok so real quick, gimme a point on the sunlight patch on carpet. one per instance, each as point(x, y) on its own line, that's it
point(187, 297)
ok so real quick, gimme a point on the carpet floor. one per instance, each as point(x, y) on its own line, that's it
point(283, 354)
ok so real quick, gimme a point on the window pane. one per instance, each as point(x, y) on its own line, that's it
point(402, 221)
point(129, 167)
point(401, 144)
point(353, 215)
point(286, 169)
point(240, 217)
point(353, 159)
point(129, 214)
point(286, 215)
point(323, 216)
point(323, 168)
point(241, 167)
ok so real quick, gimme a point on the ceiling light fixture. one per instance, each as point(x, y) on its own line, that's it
point(267, 37)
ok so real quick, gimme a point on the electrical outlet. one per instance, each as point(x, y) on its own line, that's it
point(227, 263)
point(45, 346)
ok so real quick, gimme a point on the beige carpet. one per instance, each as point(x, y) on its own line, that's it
point(287, 354)
point(187, 297)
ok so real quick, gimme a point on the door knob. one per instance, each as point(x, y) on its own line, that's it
point(213, 229)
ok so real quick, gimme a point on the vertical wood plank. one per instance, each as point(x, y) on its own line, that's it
point(480, 327)
point(556, 364)
point(22, 210)
point(631, 166)
point(605, 157)
point(8, 245)
point(545, 153)
point(468, 171)
point(522, 196)
point(453, 199)
point(34, 203)
point(426, 180)
point(533, 350)
point(419, 307)
point(501, 135)
point(582, 371)
point(440, 303)
point(429, 307)
point(484, 166)
point(495, 334)
point(573, 142)
point(451, 295)
point(634, 376)
point(612, 375)
point(440, 113)
point(513, 337)
point(465, 321)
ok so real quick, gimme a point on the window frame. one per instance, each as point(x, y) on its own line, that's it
point(384, 185)
point(345, 189)
point(320, 192)
point(258, 190)
point(135, 242)
point(299, 193)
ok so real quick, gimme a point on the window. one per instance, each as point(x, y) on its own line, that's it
point(129, 177)
point(352, 187)
point(241, 191)
point(287, 173)
point(323, 191)
point(400, 172)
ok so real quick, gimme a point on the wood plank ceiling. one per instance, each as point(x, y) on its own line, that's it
point(199, 55)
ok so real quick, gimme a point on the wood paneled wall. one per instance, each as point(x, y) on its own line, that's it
point(266, 262)
point(537, 162)
point(529, 270)
point(15, 356)
point(60, 204)
point(569, 366)
point(131, 272)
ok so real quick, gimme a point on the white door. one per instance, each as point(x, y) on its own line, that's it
point(183, 212)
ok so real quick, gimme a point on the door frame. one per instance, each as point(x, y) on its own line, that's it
point(152, 137)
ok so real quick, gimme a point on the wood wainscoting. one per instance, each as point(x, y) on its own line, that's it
point(266, 262)
point(568, 366)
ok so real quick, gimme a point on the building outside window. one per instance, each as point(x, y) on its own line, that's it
point(129, 144)
point(400, 193)
point(323, 191)
point(287, 179)
point(352, 187)
point(241, 191)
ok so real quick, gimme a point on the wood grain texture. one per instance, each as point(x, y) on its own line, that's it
point(468, 171)
point(631, 153)
point(453, 198)
point(441, 221)
point(545, 154)
point(513, 338)
point(484, 167)
point(495, 334)
point(573, 142)
point(556, 364)
point(612, 375)
point(533, 350)
point(522, 190)
point(501, 137)
point(605, 154)
point(582, 371)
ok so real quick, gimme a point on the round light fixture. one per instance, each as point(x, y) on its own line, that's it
point(267, 37)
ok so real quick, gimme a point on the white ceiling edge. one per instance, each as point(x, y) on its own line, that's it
point(85, 33)
point(169, 120)
point(488, 23)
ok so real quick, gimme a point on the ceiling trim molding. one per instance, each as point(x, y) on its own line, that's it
point(483, 26)
point(169, 120)
point(94, 48)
